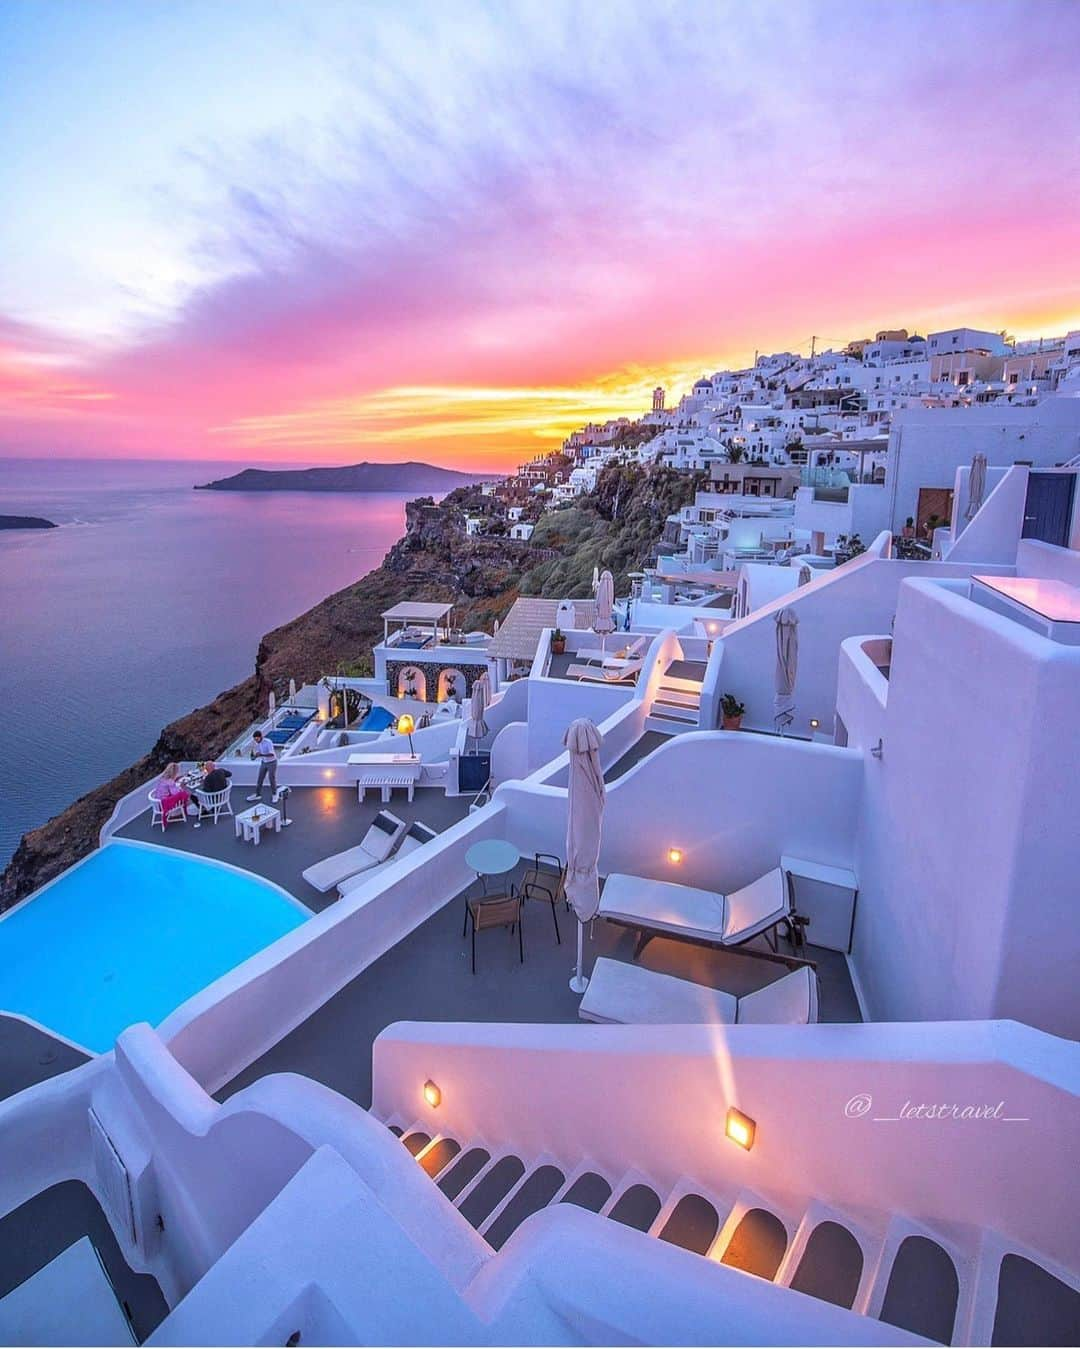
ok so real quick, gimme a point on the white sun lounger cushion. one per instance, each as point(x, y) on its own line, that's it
point(626, 994)
point(415, 837)
point(376, 845)
point(629, 995)
point(704, 915)
point(790, 1001)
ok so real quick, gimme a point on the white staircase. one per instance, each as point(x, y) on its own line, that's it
point(677, 705)
point(944, 1287)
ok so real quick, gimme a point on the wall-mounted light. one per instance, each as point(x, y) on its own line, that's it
point(675, 856)
point(814, 723)
point(328, 773)
point(740, 1128)
point(432, 1094)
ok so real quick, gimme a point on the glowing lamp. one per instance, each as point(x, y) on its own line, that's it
point(740, 1128)
point(814, 723)
point(432, 1094)
point(328, 773)
point(675, 856)
point(406, 726)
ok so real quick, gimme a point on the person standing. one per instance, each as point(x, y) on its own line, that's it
point(266, 754)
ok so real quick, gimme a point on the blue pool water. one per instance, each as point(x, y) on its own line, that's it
point(128, 936)
point(377, 719)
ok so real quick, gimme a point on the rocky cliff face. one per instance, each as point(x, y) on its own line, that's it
point(617, 527)
point(432, 561)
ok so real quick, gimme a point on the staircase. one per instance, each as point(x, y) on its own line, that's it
point(677, 705)
point(888, 1268)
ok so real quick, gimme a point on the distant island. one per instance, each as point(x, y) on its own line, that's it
point(407, 477)
point(25, 522)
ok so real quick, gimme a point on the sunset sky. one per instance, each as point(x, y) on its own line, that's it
point(324, 232)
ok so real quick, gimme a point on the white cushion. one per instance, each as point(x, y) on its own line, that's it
point(629, 995)
point(790, 1001)
point(663, 906)
point(755, 907)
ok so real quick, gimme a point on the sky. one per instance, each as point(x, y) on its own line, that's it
point(323, 232)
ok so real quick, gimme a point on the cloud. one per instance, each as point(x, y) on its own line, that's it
point(539, 198)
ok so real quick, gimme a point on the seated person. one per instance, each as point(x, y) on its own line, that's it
point(216, 780)
point(170, 791)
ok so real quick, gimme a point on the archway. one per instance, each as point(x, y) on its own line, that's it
point(452, 684)
point(412, 683)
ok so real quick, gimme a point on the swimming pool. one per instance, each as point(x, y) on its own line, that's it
point(128, 935)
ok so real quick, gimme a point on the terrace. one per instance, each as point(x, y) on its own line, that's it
point(323, 821)
point(425, 975)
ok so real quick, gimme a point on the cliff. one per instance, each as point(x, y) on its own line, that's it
point(406, 477)
point(618, 526)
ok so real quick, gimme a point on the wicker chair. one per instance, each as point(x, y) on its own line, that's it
point(488, 911)
point(545, 880)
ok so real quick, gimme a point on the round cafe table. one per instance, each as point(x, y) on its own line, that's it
point(492, 857)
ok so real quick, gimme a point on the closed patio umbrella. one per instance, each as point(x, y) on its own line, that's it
point(787, 664)
point(477, 704)
point(292, 689)
point(976, 486)
point(604, 618)
point(584, 818)
point(273, 703)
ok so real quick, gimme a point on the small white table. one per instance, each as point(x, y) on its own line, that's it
point(251, 823)
point(492, 857)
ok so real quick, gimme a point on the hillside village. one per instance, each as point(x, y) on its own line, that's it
point(809, 457)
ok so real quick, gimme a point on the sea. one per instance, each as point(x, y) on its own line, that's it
point(148, 601)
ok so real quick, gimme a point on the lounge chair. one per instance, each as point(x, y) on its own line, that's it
point(597, 654)
point(621, 994)
point(702, 917)
point(607, 674)
point(376, 846)
point(414, 837)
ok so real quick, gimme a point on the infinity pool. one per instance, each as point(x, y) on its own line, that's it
point(130, 934)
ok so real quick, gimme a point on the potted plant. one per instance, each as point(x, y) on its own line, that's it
point(558, 642)
point(732, 712)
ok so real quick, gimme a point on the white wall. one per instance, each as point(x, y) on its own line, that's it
point(655, 1098)
point(731, 828)
point(1035, 558)
point(928, 445)
point(968, 851)
point(858, 597)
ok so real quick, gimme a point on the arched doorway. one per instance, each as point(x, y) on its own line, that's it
point(412, 683)
point(452, 684)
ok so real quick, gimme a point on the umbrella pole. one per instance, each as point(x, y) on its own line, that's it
point(578, 984)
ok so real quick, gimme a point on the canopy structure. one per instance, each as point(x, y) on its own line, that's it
point(519, 634)
point(417, 614)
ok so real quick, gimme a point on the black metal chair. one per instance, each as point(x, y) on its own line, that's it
point(545, 880)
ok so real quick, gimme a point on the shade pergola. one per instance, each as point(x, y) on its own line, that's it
point(415, 613)
point(519, 634)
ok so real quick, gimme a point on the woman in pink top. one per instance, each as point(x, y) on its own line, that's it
point(170, 792)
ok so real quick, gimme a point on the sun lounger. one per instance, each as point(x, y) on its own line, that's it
point(615, 672)
point(414, 837)
point(625, 994)
point(702, 917)
point(606, 654)
point(375, 847)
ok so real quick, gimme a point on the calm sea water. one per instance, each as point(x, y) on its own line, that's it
point(149, 601)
